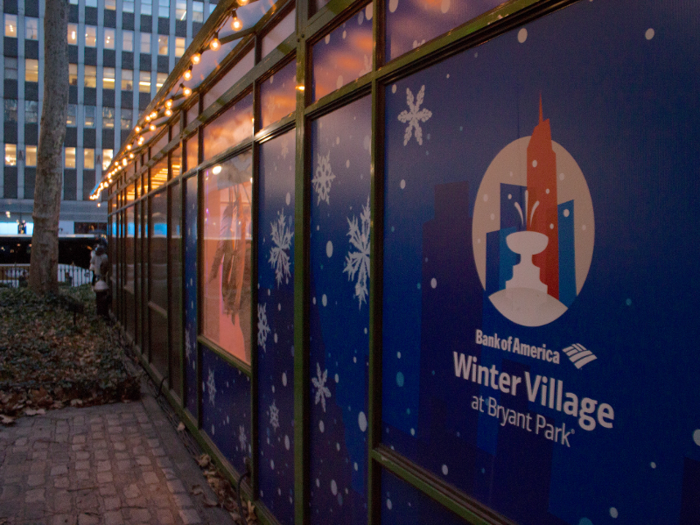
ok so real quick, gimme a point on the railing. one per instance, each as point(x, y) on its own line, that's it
point(14, 275)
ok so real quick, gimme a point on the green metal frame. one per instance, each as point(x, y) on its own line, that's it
point(310, 29)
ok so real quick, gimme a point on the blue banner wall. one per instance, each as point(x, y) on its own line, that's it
point(539, 305)
point(275, 342)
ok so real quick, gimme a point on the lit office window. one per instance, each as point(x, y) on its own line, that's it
point(146, 43)
point(31, 28)
point(181, 10)
point(31, 112)
point(11, 25)
point(73, 74)
point(72, 115)
point(197, 11)
point(10, 110)
point(126, 118)
point(31, 70)
point(69, 158)
point(31, 156)
point(90, 36)
point(73, 2)
point(109, 38)
point(111, 5)
point(108, 78)
point(108, 118)
point(10, 154)
point(91, 3)
point(73, 34)
point(160, 80)
point(146, 7)
point(107, 156)
point(89, 158)
point(162, 44)
point(128, 6)
point(179, 46)
point(90, 76)
point(127, 80)
point(89, 116)
point(144, 81)
point(10, 68)
point(164, 8)
point(127, 40)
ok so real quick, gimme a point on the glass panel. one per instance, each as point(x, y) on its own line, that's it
point(126, 118)
point(146, 7)
point(90, 36)
point(128, 6)
point(89, 158)
point(31, 155)
point(31, 112)
point(108, 118)
point(158, 341)
point(181, 10)
point(175, 303)
point(339, 311)
point(127, 40)
point(11, 25)
point(229, 79)
point(410, 23)
point(10, 110)
point(69, 157)
point(89, 116)
point(192, 148)
point(10, 68)
point(159, 174)
point(108, 78)
point(279, 33)
point(226, 292)
point(72, 115)
point(343, 55)
point(158, 250)
point(175, 163)
point(127, 82)
point(231, 127)
point(31, 28)
point(73, 34)
point(129, 247)
point(179, 46)
point(190, 299)
point(145, 43)
point(73, 74)
point(130, 192)
point(107, 155)
point(11, 155)
point(162, 44)
point(90, 76)
point(278, 95)
point(160, 80)
point(275, 312)
point(197, 11)
point(144, 81)
point(109, 38)
point(31, 70)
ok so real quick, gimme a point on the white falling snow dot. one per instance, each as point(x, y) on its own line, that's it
point(510, 196)
point(339, 82)
point(445, 6)
point(445, 470)
point(613, 512)
point(366, 142)
point(547, 191)
point(393, 4)
point(478, 241)
point(368, 12)
point(696, 437)
point(583, 227)
point(413, 431)
point(313, 300)
point(447, 76)
point(347, 163)
point(652, 464)
point(362, 421)
point(337, 378)
point(321, 426)
point(522, 35)
point(318, 483)
point(486, 197)
point(334, 487)
point(551, 226)
point(398, 355)
point(324, 300)
point(275, 338)
point(402, 184)
point(284, 378)
point(388, 504)
point(337, 140)
point(566, 213)
point(649, 34)
point(345, 34)
point(272, 464)
point(329, 249)
point(393, 88)
point(433, 282)
point(288, 198)
point(286, 442)
point(328, 38)
point(561, 176)
point(355, 466)
point(493, 217)
point(534, 163)
point(337, 447)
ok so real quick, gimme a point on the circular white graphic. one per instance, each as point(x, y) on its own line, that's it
point(533, 229)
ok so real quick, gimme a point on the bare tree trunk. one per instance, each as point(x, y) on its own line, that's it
point(43, 275)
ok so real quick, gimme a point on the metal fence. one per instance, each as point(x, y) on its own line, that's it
point(13, 275)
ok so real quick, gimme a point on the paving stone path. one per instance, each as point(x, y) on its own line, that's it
point(109, 464)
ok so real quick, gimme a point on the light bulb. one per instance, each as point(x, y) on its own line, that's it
point(215, 43)
point(236, 23)
point(128, 146)
point(153, 127)
point(168, 103)
point(154, 115)
point(137, 129)
point(168, 112)
point(188, 74)
point(196, 58)
point(186, 91)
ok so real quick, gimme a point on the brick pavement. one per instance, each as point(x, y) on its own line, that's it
point(109, 464)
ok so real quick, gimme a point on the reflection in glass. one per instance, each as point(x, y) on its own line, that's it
point(175, 302)
point(192, 149)
point(159, 174)
point(158, 250)
point(410, 23)
point(343, 55)
point(231, 127)
point(278, 95)
point(227, 243)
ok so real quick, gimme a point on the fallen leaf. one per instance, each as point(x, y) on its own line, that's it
point(196, 490)
point(7, 420)
point(181, 427)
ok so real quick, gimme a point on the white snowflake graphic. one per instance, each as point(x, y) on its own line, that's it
point(414, 116)
point(282, 239)
point(319, 382)
point(211, 387)
point(357, 262)
point(323, 178)
point(263, 327)
point(242, 439)
point(285, 149)
point(274, 416)
point(188, 346)
point(367, 67)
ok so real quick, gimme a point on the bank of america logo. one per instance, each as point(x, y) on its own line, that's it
point(579, 355)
